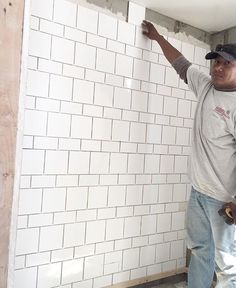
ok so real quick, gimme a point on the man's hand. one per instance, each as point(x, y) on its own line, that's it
point(232, 206)
point(149, 30)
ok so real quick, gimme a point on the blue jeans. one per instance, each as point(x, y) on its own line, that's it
point(213, 244)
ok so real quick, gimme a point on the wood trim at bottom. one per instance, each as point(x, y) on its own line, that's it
point(148, 278)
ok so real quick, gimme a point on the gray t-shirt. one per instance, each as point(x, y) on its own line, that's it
point(213, 157)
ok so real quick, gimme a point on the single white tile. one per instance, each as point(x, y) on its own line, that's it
point(165, 193)
point(150, 193)
point(181, 164)
point(93, 266)
point(75, 34)
point(51, 27)
point(124, 65)
point(162, 252)
point(168, 135)
point(26, 278)
point(139, 101)
point(184, 108)
point(134, 195)
point(118, 163)
point(148, 225)
point(116, 196)
point(95, 231)
point(74, 234)
point(126, 32)
point(122, 98)
point(135, 163)
point(27, 241)
point(141, 70)
point(167, 164)
point(105, 61)
point(172, 78)
point(154, 133)
point(65, 12)
point(77, 198)
point(178, 221)
point(49, 196)
point(37, 83)
point(49, 275)
point(152, 163)
point(147, 255)
point(157, 73)
point(79, 162)
point(107, 26)
point(39, 44)
point(81, 126)
point(114, 229)
point(142, 41)
point(99, 163)
point(56, 162)
point(97, 197)
point(120, 130)
point(51, 238)
point(72, 271)
point(131, 258)
point(137, 132)
point(58, 125)
point(85, 55)
point(32, 162)
point(103, 95)
point(87, 19)
point(101, 129)
point(30, 201)
point(35, 122)
point(136, 13)
point(62, 50)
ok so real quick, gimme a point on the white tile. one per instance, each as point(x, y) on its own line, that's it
point(170, 106)
point(84, 250)
point(107, 26)
point(162, 252)
point(73, 71)
point(79, 162)
point(122, 98)
point(101, 129)
point(133, 52)
point(37, 83)
point(134, 195)
point(76, 198)
point(132, 226)
point(84, 284)
point(163, 222)
point(27, 241)
point(103, 281)
point(74, 234)
point(35, 122)
point(165, 193)
point(168, 135)
point(37, 259)
point(181, 164)
point(116, 196)
point(114, 80)
point(154, 133)
point(62, 50)
point(148, 225)
point(43, 181)
point(75, 34)
point(39, 220)
point(131, 258)
point(56, 162)
point(99, 163)
point(135, 163)
point(182, 136)
point(150, 193)
point(97, 197)
point(51, 238)
point(103, 95)
point(85, 55)
point(49, 203)
point(30, 201)
point(95, 231)
point(178, 221)
point(120, 130)
point(141, 70)
point(71, 108)
point(157, 73)
point(60, 87)
point(105, 61)
point(155, 103)
point(172, 78)
point(32, 162)
point(152, 163)
point(137, 132)
point(124, 65)
point(121, 277)
point(72, 271)
point(177, 249)
point(65, 12)
point(126, 32)
point(114, 229)
point(87, 19)
point(34, 23)
point(81, 127)
point(49, 66)
point(93, 266)
point(25, 278)
point(49, 275)
point(199, 56)
point(42, 9)
point(167, 164)
point(179, 192)
point(184, 108)
point(51, 27)
point(58, 125)
point(148, 87)
point(136, 13)
point(115, 46)
point(96, 41)
point(107, 213)
point(147, 255)
point(118, 163)
point(150, 56)
point(188, 51)
point(39, 44)
point(139, 101)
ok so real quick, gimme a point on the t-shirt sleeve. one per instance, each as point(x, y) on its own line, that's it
point(197, 81)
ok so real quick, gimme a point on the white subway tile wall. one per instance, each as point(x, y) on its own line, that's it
point(106, 144)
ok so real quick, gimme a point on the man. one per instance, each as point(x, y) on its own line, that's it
point(213, 164)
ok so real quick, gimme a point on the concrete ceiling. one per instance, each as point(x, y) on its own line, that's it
point(208, 15)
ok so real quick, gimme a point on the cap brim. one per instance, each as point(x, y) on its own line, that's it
point(213, 55)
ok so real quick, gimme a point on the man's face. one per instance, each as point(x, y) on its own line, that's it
point(223, 73)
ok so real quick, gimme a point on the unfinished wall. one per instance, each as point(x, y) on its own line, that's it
point(106, 141)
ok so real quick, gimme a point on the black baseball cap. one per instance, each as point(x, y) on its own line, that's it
point(227, 51)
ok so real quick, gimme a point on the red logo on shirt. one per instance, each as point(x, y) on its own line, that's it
point(222, 112)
